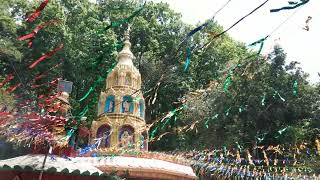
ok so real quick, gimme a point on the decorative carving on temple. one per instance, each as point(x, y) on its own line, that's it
point(126, 140)
point(104, 133)
point(115, 79)
point(128, 80)
point(317, 144)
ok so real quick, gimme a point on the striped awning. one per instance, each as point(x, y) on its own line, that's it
point(53, 164)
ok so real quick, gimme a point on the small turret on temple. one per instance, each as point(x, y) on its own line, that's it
point(121, 106)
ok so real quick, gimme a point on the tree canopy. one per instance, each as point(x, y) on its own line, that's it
point(230, 94)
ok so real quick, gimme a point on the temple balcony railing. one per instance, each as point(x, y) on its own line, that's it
point(118, 87)
point(121, 116)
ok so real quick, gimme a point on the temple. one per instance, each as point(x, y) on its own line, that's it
point(121, 106)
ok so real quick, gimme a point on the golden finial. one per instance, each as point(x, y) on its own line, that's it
point(126, 52)
point(127, 37)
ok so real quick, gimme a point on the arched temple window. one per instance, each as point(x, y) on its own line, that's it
point(141, 108)
point(126, 137)
point(127, 104)
point(128, 80)
point(104, 133)
point(109, 106)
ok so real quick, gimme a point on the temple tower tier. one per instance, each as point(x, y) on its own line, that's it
point(121, 107)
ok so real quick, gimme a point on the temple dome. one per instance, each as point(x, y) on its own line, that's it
point(125, 73)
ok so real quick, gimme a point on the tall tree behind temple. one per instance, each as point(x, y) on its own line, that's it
point(259, 102)
point(157, 31)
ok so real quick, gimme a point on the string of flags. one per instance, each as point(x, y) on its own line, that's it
point(261, 42)
point(194, 31)
point(233, 25)
point(246, 172)
point(188, 59)
point(96, 83)
point(35, 128)
point(126, 20)
point(292, 5)
point(295, 88)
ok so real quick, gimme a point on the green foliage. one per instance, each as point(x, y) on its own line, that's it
point(6, 100)
point(259, 103)
point(259, 97)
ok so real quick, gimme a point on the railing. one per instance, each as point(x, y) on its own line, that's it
point(122, 115)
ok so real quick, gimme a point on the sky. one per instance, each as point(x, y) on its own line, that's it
point(300, 45)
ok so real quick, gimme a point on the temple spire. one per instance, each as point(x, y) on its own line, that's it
point(127, 36)
point(125, 55)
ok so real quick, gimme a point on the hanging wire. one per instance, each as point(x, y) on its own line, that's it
point(221, 8)
point(233, 25)
point(283, 22)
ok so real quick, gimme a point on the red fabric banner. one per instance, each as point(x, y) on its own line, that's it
point(47, 55)
point(37, 12)
point(34, 32)
point(13, 88)
point(42, 75)
point(49, 84)
point(7, 79)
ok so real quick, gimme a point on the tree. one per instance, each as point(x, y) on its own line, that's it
point(256, 106)
point(232, 94)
